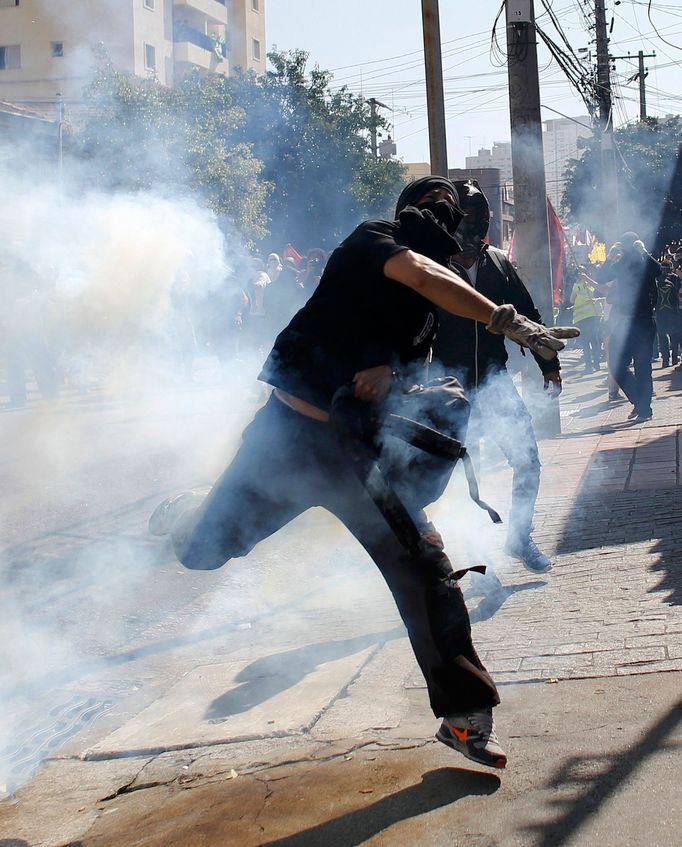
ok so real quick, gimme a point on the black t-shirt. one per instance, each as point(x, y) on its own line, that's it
point(357, 318)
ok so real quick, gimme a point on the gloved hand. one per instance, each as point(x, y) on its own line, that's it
point(546, 341)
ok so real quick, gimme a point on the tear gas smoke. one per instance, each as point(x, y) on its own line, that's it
point(94, 289)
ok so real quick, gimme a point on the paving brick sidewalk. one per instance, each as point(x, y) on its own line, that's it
point(609, 515)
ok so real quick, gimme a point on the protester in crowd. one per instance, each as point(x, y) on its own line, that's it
point(273, 266)
point(632, 294)
point(356, 351)
point(283, 298)
point(668, 315)
point(587, 314)
point(479, 359)
point(312, 272)
point(257, 283)
point(226, 320)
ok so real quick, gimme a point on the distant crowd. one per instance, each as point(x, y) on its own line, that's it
point(41, 337)
point(629, 311)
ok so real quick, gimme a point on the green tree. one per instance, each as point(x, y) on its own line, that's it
point(138, 134)
point(315, 149)
point(649, 163)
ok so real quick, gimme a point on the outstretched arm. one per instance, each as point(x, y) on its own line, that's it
point(447, 290)
point(439, 285)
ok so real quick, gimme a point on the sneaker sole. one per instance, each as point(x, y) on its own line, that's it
point(500, 762)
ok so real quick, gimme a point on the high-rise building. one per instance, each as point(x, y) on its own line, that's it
point(560, 144)
point(48, 48)
point(499, 157)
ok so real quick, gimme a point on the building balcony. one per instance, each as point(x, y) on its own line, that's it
point(183, 34)
point(215, 10)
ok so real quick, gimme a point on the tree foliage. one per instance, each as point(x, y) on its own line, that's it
point(649, 164)
point(139, 134)
point(315, 148)
point(281, 155)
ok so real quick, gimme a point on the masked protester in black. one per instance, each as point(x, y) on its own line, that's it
point(363, 337)
point(632, 294)
point(478, 359)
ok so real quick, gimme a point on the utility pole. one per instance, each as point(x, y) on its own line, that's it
point(530, 192)
point(435, 101)
point(528, 163)
point(610, 213)
point(373, 126)
point(641, 74)
point(642, 87)
point(373, 103)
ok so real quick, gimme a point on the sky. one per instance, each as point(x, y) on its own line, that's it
point(375, 48)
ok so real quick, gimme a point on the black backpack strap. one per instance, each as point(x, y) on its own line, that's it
point(497, 261)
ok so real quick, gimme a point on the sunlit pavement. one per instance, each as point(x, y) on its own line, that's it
point(277, 701)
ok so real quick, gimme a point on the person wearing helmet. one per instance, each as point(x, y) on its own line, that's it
point(479, 359)
point(362, 340)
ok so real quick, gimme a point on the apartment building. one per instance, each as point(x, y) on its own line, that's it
point(48, 48)
point(560, 141)
point(499, 156)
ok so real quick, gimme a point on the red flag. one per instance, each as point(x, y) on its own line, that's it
point(557, 247)
point(290, 252)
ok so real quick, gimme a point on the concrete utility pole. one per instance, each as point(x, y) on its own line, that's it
point(528, 164)
point(609, 188)
point(433, 63)
point(530, 192)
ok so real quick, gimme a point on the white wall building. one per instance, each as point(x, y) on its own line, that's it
point(560, 143)
point(48, 48)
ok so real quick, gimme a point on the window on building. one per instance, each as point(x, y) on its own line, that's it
point(57, 49)
point(149, 4)
point(150, 57)
point(255, 5)
point(10, 57)
point(256, 49)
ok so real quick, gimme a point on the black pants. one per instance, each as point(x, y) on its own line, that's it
point(669, 339)
point(632, 342)
point(289, 463)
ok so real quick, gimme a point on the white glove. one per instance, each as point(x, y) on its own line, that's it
point(543, 340)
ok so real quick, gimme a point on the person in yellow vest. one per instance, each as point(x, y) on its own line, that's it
point(587, 315)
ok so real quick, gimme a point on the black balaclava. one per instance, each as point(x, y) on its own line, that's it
point(474, 227)
point(430, 227)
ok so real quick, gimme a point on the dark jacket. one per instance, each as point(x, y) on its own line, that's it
point(633, 290)
point(462, 344)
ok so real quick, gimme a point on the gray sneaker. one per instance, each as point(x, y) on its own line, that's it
point(166, 513)
point(473, 735)
point(530, 555)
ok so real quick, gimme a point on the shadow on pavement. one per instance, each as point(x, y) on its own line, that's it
point(629, 517)
point(594, 789)
point(494, 597)
point(270, 675)
point(437, 789)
